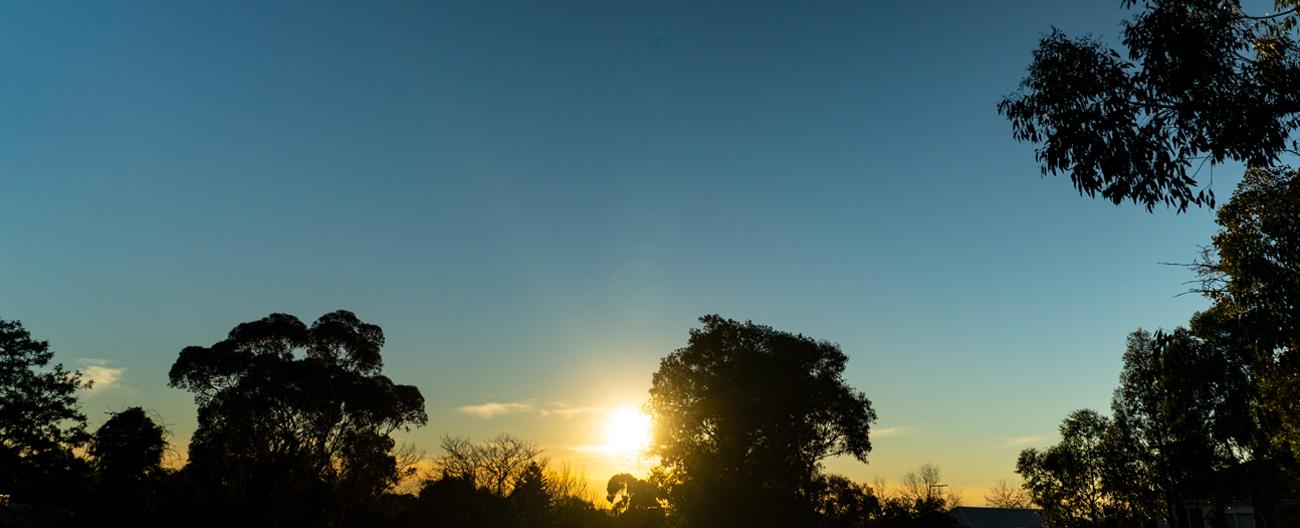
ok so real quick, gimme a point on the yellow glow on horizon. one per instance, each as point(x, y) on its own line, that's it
point(627, 432)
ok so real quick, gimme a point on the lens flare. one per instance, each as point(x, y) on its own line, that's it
point(627, 432)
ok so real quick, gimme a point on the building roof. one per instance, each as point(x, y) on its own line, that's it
point(970, 517)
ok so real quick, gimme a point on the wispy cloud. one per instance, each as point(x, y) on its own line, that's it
point(564, 410)
point(492, 409)
point(100, 375)
point(1022, 441)
point(887, 432)
point(553, 409)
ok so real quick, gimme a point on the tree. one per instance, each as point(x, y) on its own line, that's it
point(1070, 481)
point(1252, 274)
point(295, 421)
point(530, 497)
point(842, 503)
point(128, 447)
point(1188, 428)
point(1200, 82)
point(454, 500)
point(924, 485)
point(1004, 494)
point(743, 416)
point(636, 502)
point(627, 493)
point(1179, 413)
point(496, 465)
point(563, 481)
point(40, 422)
point(1203, 82)
point(920, 502)
point(127, 452)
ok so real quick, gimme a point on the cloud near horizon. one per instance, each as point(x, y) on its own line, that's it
point(889, 432)
point(493, 409)
point(99, 374)
point(1022, 441)
point(564, 410)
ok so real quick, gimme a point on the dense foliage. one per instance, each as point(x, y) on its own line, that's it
point(1205, 416)
point(743, 416)
point(295, 421)
point(1198, 82)
point(40, 422)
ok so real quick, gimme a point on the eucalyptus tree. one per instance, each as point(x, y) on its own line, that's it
point(744, 415)
point(295, 421)
point(1196, 83)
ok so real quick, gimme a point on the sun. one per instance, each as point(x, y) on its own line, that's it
point(627, 432)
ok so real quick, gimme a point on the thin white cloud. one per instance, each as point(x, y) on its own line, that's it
point(99, 374)
point(568, 411)
point(888, 432)
point(553, 409)
point(1022, 441)
point(493, 409)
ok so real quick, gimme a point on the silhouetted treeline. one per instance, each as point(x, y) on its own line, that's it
point(295, 424)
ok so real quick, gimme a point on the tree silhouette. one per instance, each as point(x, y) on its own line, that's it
point(497, 465)
point(924, 485)
point(1200, 82)
point(1175, 410)
point(40, 423)
point(127, 452)
point(536, 496)
point(128, 447)
point(1072, 482)
point(1004, 494)
point(627, 493)
point(636, 502)
point(1252, 274)
point(295, 421)
point(842, 503)
point(530, 498)
point(743, 416)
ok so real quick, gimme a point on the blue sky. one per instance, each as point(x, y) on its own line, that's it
point(535, 200)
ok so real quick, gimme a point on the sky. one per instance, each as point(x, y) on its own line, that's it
point(537, 200)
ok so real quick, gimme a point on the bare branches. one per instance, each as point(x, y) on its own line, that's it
point(496, 464)
point(1004, 494)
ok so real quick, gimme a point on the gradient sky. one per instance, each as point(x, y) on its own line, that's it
point(536, 200)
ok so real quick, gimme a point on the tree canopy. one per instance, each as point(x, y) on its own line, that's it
point(1190, 425)
point(40, 421)
point(129, 446)
point(295, 420)
point(126, 453)
point(744, 414)
point(1199, 82)
point(1208, 412)
point(1073, 482)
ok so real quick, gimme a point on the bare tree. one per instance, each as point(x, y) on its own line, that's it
point(496, 464)
point(504, 459)
point(566, 481)
point(1004, 494)
point(410, 462)
point(882, 490)
point(924, 485)
point(459, 458)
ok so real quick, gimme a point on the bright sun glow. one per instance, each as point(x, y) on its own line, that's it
point(627, 432)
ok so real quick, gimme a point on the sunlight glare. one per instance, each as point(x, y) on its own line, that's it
point(628, 431)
